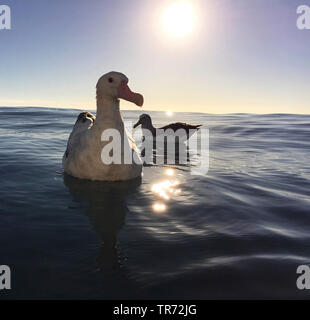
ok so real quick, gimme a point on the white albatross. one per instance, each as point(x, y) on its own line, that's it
point(82, 158)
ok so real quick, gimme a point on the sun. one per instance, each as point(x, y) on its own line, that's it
point(179, 18)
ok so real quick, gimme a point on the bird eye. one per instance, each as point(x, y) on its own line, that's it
point(110, 80)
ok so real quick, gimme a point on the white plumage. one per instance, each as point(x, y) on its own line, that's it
point(82, 158)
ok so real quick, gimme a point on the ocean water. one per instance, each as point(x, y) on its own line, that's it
point(239, 231)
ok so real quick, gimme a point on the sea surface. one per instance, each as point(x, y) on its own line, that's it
point(238, 231)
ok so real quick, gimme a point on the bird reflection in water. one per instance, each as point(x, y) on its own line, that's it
point(105, 205)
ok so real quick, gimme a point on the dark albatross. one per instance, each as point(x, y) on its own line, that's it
point(146, 122)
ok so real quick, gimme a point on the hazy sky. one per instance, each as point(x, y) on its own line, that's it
point(241, 55)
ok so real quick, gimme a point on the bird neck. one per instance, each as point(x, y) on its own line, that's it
point(149, 125)
point(108, 112)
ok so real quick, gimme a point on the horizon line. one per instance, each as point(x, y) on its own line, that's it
point(151, 110)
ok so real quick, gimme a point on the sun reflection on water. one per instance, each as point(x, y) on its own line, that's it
point(165, 189)
point(159, 207)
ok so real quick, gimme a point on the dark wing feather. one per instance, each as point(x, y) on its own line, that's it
point(180, 125)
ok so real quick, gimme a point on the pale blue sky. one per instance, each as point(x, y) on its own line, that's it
point(242, 56)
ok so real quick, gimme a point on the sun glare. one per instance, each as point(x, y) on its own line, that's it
point(179, 18)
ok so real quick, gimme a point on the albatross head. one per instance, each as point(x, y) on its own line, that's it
point(145, 120)
point(114, 86)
